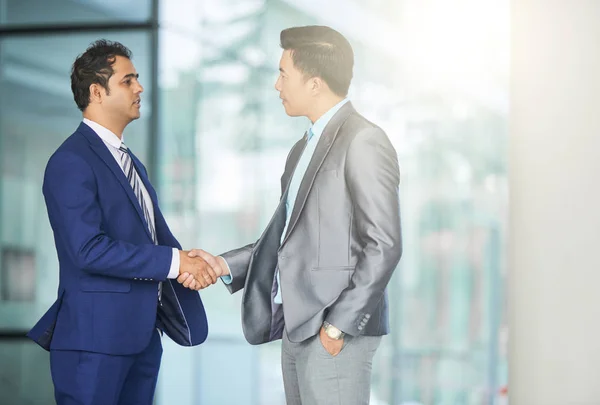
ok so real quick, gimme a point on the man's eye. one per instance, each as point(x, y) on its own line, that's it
point(128, 82)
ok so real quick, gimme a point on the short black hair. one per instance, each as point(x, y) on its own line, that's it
point(95, 66)
point(320, 51)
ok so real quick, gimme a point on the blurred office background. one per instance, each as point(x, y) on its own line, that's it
point(432, 73)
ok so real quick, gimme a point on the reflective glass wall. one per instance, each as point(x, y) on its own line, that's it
point(39, 41)
point(432, 74)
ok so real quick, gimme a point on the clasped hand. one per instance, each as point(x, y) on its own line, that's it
point(199, 269)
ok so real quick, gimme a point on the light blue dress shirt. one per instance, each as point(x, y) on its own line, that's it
point(313, 136)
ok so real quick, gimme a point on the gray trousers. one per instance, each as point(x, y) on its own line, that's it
point(311, 376)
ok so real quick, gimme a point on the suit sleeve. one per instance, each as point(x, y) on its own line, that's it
point(372, 175)
point(70, 191)
point(238, 261)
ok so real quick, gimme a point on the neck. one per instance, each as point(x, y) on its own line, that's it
point(111, 125)
point(322, 105)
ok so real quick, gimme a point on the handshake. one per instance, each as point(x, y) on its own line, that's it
point(198, 269)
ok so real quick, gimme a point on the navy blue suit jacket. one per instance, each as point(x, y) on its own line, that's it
point(109, 265)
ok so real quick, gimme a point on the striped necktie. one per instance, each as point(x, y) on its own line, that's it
point(136, 184)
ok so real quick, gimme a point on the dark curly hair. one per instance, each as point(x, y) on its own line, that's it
point(95, 66)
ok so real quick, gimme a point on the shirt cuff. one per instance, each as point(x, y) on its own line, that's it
point(228, 279)
point(174, 271)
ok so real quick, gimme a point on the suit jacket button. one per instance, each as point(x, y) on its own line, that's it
point(360, 328)
point(367, 316)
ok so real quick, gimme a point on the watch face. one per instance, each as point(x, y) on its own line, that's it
point(332, 333)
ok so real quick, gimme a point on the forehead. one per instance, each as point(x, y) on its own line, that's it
point(123, 66)
point(286, 61)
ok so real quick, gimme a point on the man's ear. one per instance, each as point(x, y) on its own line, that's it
point(97, 93)
point(317, 85)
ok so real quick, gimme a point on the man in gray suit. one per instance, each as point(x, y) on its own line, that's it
point(317, 276)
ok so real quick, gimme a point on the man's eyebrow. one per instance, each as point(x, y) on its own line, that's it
point(136, 75)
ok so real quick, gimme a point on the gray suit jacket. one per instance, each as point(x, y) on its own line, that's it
point(342, 244)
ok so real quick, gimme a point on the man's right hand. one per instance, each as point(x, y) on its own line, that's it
point(202, 271)
point(217, 263)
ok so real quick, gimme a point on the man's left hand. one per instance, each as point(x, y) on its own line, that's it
point(333, 347)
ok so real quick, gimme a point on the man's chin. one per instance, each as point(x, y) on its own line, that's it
point(291, 113)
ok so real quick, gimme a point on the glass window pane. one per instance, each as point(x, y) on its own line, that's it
point(25, 374)
point(441, 94)
point(34, 12)
point(37, 113)
point(17, 275)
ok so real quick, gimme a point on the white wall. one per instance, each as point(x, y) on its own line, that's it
point(555, 201)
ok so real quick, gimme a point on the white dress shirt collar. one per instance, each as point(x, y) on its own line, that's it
point(105, 134)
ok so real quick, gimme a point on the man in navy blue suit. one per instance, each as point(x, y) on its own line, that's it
point(118, 260)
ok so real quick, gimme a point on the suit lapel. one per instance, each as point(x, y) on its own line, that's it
point(323, 147)
point(291, 163)
point(102, 151)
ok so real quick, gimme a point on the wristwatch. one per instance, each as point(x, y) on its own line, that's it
point(333, 332)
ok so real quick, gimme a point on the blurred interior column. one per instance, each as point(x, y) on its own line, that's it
point(554, 160)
